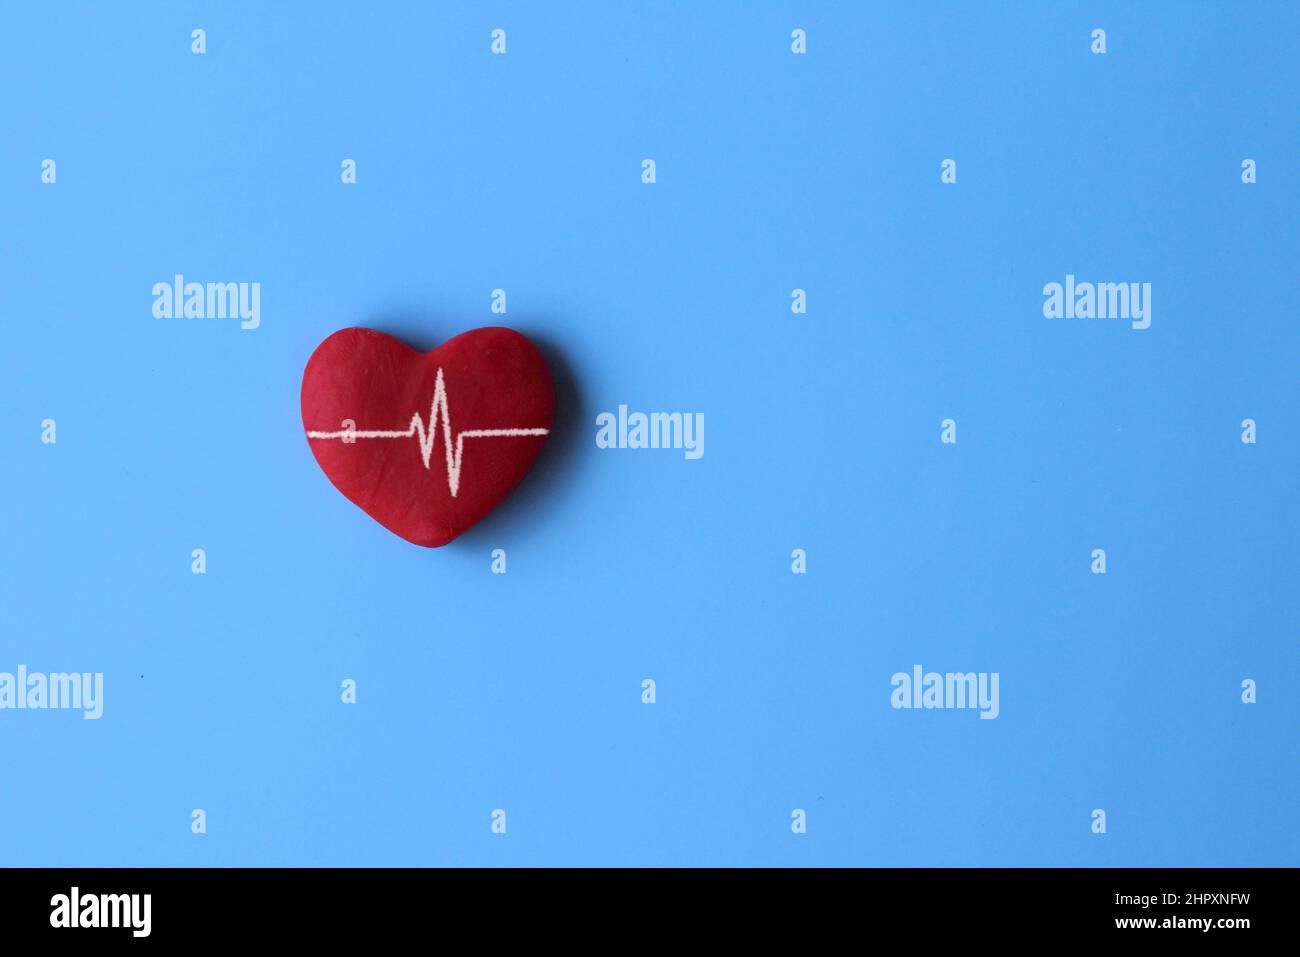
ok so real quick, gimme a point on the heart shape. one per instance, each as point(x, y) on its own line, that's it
point(427, 443)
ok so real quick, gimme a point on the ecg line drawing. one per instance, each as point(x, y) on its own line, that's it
point(428, 436)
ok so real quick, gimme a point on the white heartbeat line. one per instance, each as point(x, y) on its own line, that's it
point(429, 436)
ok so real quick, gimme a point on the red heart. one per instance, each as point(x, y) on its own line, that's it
point(426, 443)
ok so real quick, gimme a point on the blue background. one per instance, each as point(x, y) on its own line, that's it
point(775, 171)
